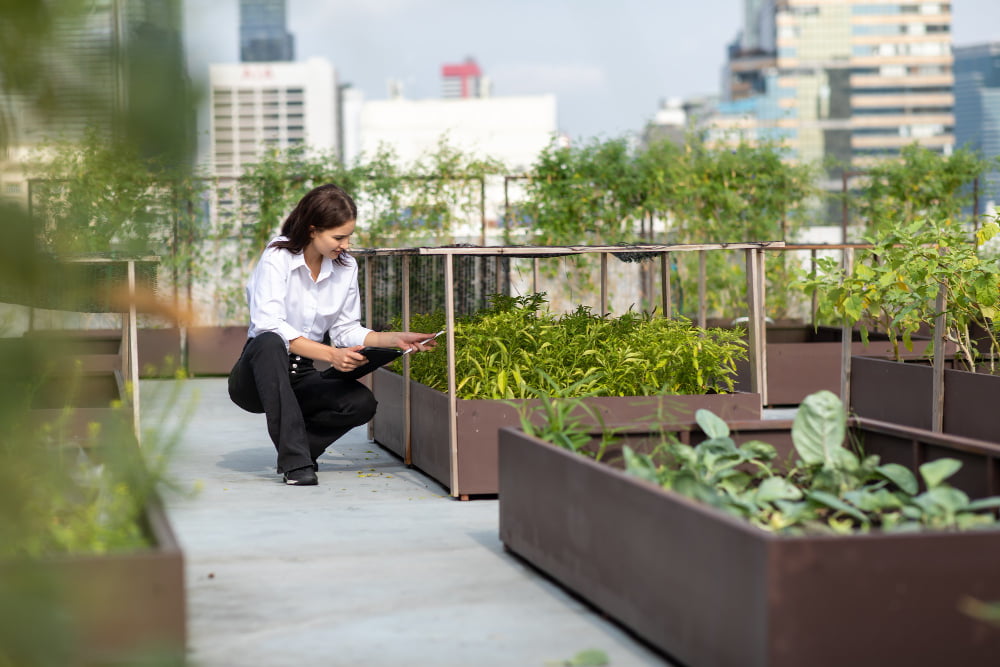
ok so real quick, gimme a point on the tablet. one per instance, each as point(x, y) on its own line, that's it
point(377, 357)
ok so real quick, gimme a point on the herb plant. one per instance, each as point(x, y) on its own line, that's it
point(515, 349)
point(829, 488)
point(893, 287)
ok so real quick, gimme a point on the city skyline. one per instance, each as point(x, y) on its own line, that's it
point(609, 66)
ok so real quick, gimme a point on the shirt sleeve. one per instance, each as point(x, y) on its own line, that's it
point(346, 329)
point(267, 296)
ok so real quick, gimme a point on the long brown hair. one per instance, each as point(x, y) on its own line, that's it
point(323, 207)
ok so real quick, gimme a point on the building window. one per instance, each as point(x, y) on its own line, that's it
point(12, 188)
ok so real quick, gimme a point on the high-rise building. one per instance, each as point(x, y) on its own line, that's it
point(462, 80)
point(115, 66)
point(851, 80)
point(263, 34)
point(261, 106)
point(977, 111)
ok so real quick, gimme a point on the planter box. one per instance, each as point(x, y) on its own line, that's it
point(802, 361)
point(479, 420)
point(902, 393)
point(214, 350)
point(708, 589)
point(119, 608)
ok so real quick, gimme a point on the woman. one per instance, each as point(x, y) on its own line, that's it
point(304, 291)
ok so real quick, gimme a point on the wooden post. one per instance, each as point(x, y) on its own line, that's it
point(368, 318)
point(702, 309)
point(755, 323)
point(940, 321)
point(665, 283)
point(449, 307)
point(846, 342)
point(131, 333)
point(604, 283)
point(407, 409)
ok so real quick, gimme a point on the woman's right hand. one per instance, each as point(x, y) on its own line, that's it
point(346, 358)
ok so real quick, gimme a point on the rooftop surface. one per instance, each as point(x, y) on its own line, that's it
point(378, 565)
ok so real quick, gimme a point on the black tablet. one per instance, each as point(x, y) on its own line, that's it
point(377, 356)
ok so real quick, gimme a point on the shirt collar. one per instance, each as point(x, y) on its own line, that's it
point(299, 262)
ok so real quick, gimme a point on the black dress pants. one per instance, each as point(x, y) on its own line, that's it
point(305, 411)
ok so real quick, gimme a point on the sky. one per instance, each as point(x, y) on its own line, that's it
point(610, 63)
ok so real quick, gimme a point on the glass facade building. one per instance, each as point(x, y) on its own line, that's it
point(263, 34)
point(845, 80)
point(977, 110)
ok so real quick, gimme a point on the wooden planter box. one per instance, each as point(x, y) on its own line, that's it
point(709, 589)
point(802, 360)
point(902, 393)
point(119, 608)
point(479, 420)
point(214, 350)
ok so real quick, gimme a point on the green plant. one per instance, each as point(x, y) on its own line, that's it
point(921, 184)
point(894, 286)
point(562, 413)
point(514, 348)
point(829, 488)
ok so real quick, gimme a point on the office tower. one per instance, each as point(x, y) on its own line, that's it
point(977, 111)
point(263, 35)
point(852, 80)
point(262, 106)
point(115, 66)
point(462, 80)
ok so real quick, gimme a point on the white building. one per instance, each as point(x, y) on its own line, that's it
point(512, 129)
point(256, 107)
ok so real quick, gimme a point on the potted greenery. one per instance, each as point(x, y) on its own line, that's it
point(918, 276)
point(823, 541)
point(634, 366)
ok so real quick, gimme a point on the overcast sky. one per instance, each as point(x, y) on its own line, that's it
point(609, 62)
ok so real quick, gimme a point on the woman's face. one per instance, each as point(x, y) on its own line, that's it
point(330, 242)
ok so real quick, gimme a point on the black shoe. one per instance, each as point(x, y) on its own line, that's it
point(302, 477)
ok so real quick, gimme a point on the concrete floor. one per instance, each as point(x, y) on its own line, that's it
point(377, 565)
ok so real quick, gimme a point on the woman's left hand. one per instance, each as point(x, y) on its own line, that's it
point(417, 342)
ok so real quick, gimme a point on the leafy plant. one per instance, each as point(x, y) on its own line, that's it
point(829, 488)
point(563, 413)
point(514, 349)
point(894, 286)
point(921, 184)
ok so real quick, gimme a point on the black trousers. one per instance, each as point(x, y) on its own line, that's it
point(305, 411)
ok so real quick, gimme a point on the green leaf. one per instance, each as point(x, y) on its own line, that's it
point(640, 465)
point(713, 425)
point(993, 502)
point(935, 472)
point(899, 475)
point(835, 503)
point(819, 428)
point(777, 488)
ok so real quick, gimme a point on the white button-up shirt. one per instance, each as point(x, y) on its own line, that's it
point(284, 299)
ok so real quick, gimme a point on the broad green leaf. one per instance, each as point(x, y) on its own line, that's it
point(935, 472)
point(835, 503)
point(713, 425)
point(879, 500)
point(819, 428)
point(640, 465)
point(777, 488)
point(899, 475)
point(762, 451)
point(947, 498)
point(993, 502)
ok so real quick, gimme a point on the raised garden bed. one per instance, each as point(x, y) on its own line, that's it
point(471, 469)
point(118, 608)
point(903, 393)
point(707, 588)
point(802, 360)
point(214, 350)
